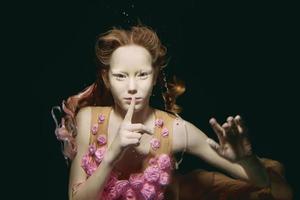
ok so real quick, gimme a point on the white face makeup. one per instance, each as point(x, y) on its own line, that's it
point(131, 75)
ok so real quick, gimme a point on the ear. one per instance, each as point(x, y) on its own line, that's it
point(104, 75)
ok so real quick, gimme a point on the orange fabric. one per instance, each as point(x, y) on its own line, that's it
point(204, 185)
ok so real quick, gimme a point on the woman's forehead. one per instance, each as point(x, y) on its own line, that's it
point(131, 56)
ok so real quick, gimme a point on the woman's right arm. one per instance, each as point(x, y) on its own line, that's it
point(80, 187)
point(128, 134)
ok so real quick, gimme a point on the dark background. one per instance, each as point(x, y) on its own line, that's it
point(235, 58)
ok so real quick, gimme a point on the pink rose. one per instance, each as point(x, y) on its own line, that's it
point(164, 161)
point(92, 149)
point(101, 118)
point(85, 160)
point(159, 123)
point(94, 129)
point(101, 139)
point(99, 154)
point(91, 168)
point(130, 194)
point(160, 196)
point(148, 191)
point(164, 178)
point(152, 173)
point(88, 164)
point(153, 161)
point(111, 181)
point(110, 194)
point(155, 143)
point(121, 186)
point(136, 181)
point(165, 132)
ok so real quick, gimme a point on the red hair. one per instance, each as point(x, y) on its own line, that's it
point(98, 95)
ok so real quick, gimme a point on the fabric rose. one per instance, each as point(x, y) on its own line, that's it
point(159, 123)
point(148, 191)
point(85, 161)
point(136, 181)
point(155, 143)
point(101, 118)
point(88, 164)
point(121, 186)
point(164, 178)
point(101, 139)
point(130, 194)
point(110, 194)
point(164, 162)
point(92, 149)
point(160, 196)
point(152, 173)
point(94, 129)
point(153, 161)
point(165, 132)
point(111, 181)
point(91, 168)
point(99, 154)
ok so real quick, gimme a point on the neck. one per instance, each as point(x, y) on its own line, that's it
point(140, 116)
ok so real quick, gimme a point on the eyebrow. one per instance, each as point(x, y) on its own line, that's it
point(117, 71)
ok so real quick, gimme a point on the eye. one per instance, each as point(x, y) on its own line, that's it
point(119, 76)
point(143, 75)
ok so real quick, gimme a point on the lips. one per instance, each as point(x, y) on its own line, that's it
point(137, 99)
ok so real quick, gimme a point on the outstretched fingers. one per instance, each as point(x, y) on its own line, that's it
point(218, 130)
point(231, 127)
point(240, 125)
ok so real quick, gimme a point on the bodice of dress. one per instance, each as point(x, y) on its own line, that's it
point(147, 181)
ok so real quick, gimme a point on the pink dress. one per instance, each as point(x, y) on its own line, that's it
point(146, 183)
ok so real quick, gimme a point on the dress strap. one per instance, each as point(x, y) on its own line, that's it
point(162, 140)
point(99, 124)
point(185, 141)
point(163, 132)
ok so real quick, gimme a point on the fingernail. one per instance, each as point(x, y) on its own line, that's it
point(212, 121)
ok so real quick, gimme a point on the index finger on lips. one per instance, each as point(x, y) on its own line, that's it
point(130, 111)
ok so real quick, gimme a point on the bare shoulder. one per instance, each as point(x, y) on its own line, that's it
point(83, 113)
point(83, 119)
point(186, 135)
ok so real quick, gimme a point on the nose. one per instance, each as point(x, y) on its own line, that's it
point(132, 86)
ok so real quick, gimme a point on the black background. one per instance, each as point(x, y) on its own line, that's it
point(235, 58)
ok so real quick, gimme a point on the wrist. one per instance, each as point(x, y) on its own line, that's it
point(247, 159)
point(255, 170)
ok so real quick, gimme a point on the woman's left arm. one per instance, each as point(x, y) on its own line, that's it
point(233, 153)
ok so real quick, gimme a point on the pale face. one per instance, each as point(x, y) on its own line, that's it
point(131, 75)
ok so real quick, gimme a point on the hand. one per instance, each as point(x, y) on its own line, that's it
point(234, 143)
point(128, 135)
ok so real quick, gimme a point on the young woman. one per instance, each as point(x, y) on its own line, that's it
point(122, 148)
